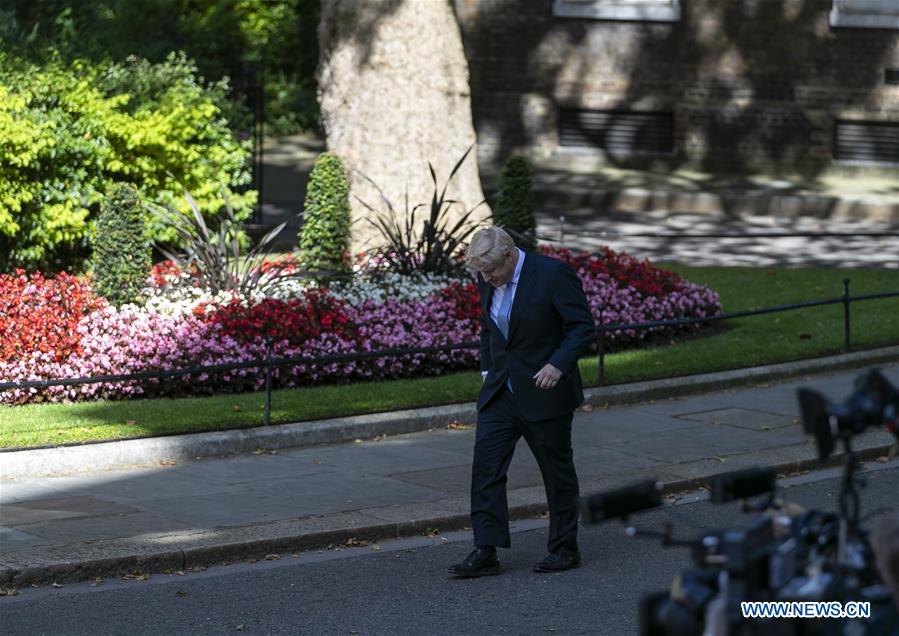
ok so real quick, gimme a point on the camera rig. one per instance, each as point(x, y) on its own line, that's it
point(778, 552)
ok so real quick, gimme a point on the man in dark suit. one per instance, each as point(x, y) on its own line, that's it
point(535, 325)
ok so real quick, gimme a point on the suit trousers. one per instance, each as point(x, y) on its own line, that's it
point(500, 426)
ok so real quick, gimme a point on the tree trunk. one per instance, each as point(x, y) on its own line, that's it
point(394, 95)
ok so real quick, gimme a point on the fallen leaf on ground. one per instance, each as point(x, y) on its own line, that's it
point(375, 547)
point(353, 542)
point(430, 532)
point(720, 459)
point(8, 591)
point(96, 581)
point(130, 422)
point(137, 575)
point(764, 428)
point(458, 426)
point(272, 557)
point(236, 407)
point(181, 593)
point(168, 462)
point(55, 585)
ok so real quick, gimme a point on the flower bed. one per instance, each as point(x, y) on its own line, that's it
point(69, 332)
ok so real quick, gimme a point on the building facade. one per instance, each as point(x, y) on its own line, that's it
point(775, 86)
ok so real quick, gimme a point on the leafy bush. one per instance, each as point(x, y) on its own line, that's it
point(223, 37)
point(437, 246)
point(122, 255)
point(325, 235)
point(39, 316)
point(69, 130)
point(514, 209)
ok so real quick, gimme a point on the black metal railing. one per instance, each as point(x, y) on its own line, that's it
point(846, 300)
point(270, 362)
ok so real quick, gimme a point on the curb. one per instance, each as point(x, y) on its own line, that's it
point(183, 448)
point(269, 541)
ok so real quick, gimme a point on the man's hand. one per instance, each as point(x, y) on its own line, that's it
point(547, 377)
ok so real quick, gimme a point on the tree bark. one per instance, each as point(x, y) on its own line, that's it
point(394, 95)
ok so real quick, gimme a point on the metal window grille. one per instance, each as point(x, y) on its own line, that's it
point(621, 133)
point(866, 142)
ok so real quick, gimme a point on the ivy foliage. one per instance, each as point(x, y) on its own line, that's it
point(325, 235)
point(69, 130)
point(514, 208)
point(122, 255)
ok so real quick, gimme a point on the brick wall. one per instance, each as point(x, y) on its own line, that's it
point(752, 84)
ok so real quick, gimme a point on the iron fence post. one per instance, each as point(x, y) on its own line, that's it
point(846, 301)
point(269, 341)
point(600, 345)
point(562, 231)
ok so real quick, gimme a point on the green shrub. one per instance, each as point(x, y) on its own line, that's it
point(216, 257)
point(122, 255)
point(440, 243)
point(514, 209)
point(325, 235)
point(224, 37)
point(69, 130)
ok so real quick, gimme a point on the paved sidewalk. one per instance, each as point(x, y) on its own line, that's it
point(195, 513)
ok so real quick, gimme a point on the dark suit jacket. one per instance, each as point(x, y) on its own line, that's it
point(550, 322)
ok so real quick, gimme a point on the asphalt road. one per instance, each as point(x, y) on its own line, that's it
point(400, 587)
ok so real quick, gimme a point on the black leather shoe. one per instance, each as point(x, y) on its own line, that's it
point(559, 561)
point(479, 563)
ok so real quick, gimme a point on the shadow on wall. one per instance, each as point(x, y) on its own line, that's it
point(753, 85)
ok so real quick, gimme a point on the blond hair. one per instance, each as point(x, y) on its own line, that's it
point(489, 247)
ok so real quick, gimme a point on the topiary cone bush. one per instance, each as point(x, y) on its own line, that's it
point(122, 255)
point(514, 208)
point(325, 235)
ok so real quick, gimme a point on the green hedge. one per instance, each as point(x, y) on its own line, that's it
point(122, 255)
point(514, 208)
point(69, 130)
point(325, 235)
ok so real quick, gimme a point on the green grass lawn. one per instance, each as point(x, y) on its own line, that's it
point(731, 344)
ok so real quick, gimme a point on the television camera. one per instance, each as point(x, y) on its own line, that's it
point(779, 552)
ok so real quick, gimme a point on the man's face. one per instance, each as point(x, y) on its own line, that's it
point(501, 273)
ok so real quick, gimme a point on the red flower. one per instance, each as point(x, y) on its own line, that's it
point(42, 315)
point(296, 320)
point(624, 268)
point(465, 298)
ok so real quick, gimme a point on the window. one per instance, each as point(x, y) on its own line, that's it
point(619, 133)
point(866, 142)
point(633, 10)
point(866, 14)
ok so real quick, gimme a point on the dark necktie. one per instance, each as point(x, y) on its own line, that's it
point(505, 307)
